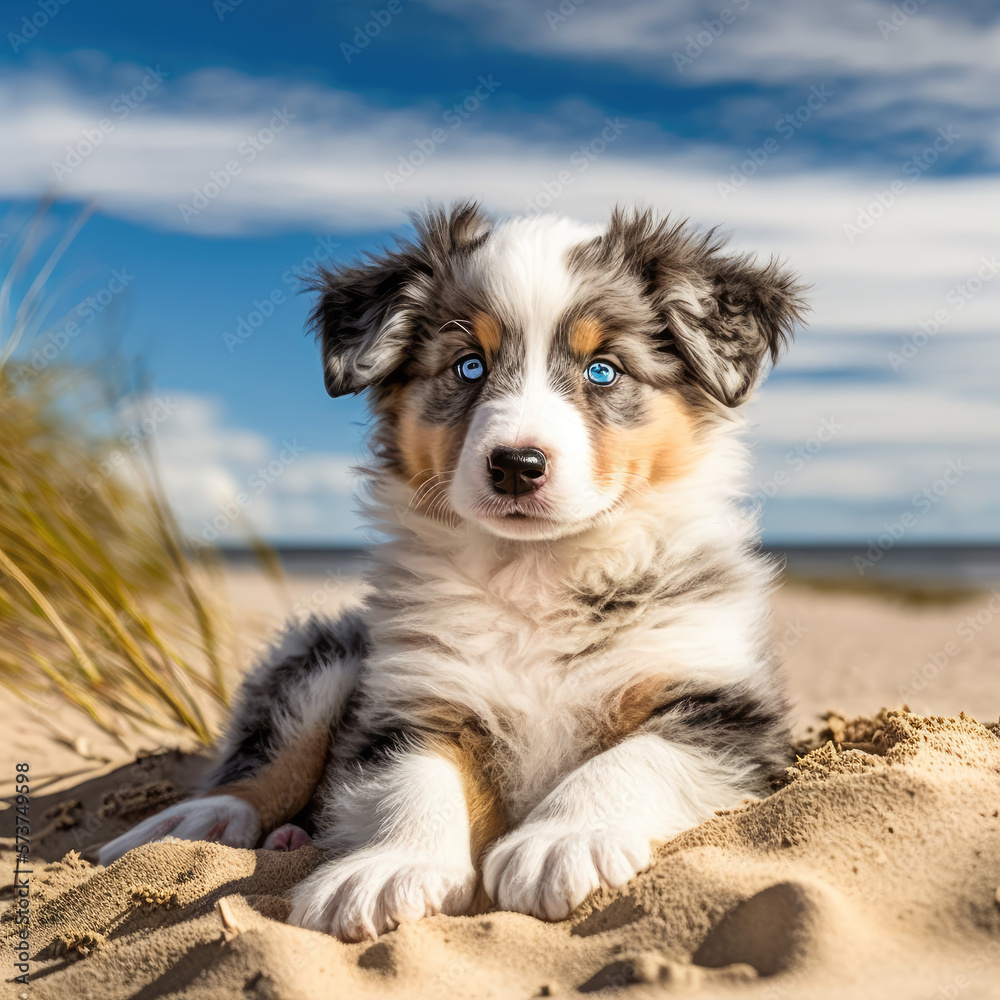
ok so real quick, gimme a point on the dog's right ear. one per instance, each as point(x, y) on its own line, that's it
point(363, 316)
point(360, 320)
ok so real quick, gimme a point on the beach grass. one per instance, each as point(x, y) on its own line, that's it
point(100, 602)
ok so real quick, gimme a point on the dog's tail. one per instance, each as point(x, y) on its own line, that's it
point(276, 742)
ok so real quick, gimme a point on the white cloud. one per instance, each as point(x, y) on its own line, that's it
point(327, 169)
point(837, 457)
point(785, 40)
point(892, 73)
point(319, 473)
point(881, 414)
point(226, 483)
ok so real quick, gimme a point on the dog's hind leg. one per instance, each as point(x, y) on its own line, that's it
point(275, 746)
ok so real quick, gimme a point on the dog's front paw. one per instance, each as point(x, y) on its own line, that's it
point(547, 868)
point(224, 819)
point(375, 890)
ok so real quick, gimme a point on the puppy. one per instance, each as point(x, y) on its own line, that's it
point(563, 656)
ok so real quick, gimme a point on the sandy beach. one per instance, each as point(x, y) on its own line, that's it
point(874, 867)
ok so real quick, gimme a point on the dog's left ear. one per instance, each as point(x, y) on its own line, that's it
point(741, 316)
point(363, 317)
point(725, 316)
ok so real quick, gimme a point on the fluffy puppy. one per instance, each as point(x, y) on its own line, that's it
point(563, 656)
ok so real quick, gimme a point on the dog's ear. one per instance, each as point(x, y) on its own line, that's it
point(743, 316)
point(724, 315)
point(360, 320)
point(363, 317)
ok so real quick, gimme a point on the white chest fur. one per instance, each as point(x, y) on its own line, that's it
point(538, 648)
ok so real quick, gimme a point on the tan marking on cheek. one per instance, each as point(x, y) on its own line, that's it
point(487, 331)
point(586, 336)
point(283, 787)
point(664, 448)
point(426, 451)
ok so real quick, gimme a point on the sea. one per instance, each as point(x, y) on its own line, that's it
point(970, 567)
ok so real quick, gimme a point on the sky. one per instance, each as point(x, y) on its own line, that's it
point(223, 146)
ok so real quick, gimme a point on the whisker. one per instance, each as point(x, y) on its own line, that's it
point(417, 475)
point(427, 489)
point(434, 500)
point(460, 323)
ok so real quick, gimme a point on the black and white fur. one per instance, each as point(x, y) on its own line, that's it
point(540, 687)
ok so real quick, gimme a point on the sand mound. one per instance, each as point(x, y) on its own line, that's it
point(872, 868)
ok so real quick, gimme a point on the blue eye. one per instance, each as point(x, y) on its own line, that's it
point(471, 369)
point(601, 373)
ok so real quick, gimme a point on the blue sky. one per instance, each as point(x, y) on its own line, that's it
point(225, 145)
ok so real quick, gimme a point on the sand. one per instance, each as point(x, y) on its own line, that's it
point(874, 869)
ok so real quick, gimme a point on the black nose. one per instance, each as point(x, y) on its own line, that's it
point(516, 470)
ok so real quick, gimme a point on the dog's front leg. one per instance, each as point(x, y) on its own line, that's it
point(597, 824)
point(408, 817)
